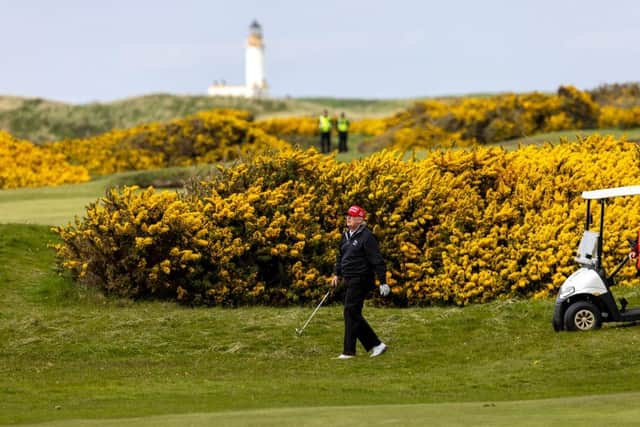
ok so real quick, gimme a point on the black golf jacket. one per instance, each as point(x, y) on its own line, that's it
point(359, 255)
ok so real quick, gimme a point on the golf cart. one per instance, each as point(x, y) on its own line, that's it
point(585, 300)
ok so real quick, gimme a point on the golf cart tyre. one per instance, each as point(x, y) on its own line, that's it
point(582, 316)
point(558, 323)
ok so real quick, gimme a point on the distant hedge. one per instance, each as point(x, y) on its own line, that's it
point(469, 121)
point(23, 164)
point(205, 137)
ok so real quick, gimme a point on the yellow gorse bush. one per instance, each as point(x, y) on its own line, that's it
point(205, 137)
point(623, 95)
point(23, 164)
point(615, 117)
point(308, 126)
point(285, 126)
point(468, 121)
point(457, 227)
point(222, 135)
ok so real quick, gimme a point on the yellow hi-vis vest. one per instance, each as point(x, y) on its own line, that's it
point(325, 124)
point(343, 125)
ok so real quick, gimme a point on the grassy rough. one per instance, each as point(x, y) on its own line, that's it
point(566, 412)
point(68, 353)
point(41, 120)
point(568, 135)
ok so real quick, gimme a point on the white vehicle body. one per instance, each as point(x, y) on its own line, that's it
point(585, 300)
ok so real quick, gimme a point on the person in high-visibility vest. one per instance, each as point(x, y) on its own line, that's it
point(343, 132)
point(324, 124)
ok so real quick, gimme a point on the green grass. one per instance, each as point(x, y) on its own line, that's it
point(59, 205)
point(69, 353)
point(556, 137)
point(566, 412)
point(49, 205)
point(40, 120)
point(359, 108)
point(544, 138)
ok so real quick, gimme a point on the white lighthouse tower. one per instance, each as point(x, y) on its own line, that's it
point(254, 71)
point(255, 82)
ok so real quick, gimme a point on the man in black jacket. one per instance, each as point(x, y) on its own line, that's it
point(359, 260)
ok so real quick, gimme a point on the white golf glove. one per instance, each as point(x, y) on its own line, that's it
point(384, 289)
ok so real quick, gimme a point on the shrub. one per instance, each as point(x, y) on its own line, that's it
point(23, 164)
point(620, 95)
point(457, 227)
point(468, 120)
point(206, 137)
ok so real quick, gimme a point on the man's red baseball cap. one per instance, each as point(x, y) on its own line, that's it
point(356, 211)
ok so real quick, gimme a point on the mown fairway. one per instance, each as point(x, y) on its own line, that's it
point(48, 205)
point(75, 355)
point(580, 411)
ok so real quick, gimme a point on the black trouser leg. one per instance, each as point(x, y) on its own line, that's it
point(355, 325)
point(342, 142)
point(325, 142)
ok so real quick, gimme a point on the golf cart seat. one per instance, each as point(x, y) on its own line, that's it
point(587, 255)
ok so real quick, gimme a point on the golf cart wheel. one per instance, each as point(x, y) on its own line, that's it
point(582, 316)
point(557, 324)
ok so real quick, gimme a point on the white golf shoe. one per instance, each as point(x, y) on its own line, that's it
point(378, 350)
point(345, 356)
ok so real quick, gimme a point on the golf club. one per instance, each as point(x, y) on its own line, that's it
point(300, 330)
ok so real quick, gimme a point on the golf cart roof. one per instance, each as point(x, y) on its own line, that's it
point(606, 193)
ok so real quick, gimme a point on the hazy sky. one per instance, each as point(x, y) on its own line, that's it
point(102, 50)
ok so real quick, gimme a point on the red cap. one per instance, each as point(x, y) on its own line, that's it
point(356, 211)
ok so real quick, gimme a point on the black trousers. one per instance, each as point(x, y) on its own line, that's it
point(355, 325)
point(342, 141)
point(325, 142)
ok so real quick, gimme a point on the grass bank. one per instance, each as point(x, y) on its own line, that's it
point(557, 137)
point(72, 354)
point(41, 120)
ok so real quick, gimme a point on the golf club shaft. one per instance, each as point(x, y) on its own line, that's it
point(314, 311)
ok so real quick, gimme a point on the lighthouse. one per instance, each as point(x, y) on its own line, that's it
point(255, 81)
point(254, 65)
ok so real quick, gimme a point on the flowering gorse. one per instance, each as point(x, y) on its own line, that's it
point(23, 164)
point(469, 121)
point(205, 137)
point(457, 227)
